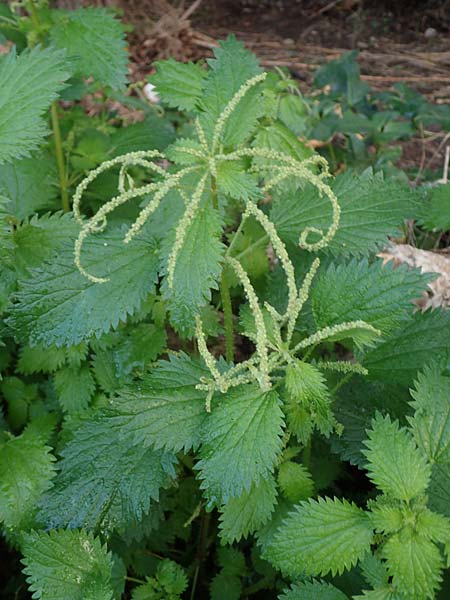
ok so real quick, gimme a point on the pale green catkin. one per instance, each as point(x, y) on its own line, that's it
point(261, 333)
point(280, 251)
point(231, 106)
point(201, 135)
point(183, 227)
point(303, 295)
point(98, 223)
point(327, 332)
point(343, 366)
point(171, 182)
point(128, 159)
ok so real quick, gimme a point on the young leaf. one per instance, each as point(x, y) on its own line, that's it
point(104, 479)
point(396, 466)
point(40, 359)
point(74, 387)
point(235, 182)
point(231, 67)
point(313, 590)
point(319, 537)
point(80, 308)
point(67, 564)
point(26, 471)
point(414, 563)
point(371, 210)
point(95, 43)
point(295, 481)
point(197, 268)
point(248, 512)
point(379, 295)
point(28, 85)
point(164, 408)
point(419, 340)
point(241, 442)
point(430, 424)
point(179, 84)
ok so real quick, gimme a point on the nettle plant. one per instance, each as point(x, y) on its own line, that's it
point(204, 345)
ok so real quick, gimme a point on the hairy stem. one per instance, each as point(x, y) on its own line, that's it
point(60, 157)
point(227, 316)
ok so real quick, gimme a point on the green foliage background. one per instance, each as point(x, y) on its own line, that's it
point(240, 400)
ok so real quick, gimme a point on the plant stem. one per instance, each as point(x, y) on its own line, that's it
point(201, 548)
point(262, 240)
point(340, 383)
point(60, 157)
point(135, 580)
point(227, 316)
point(258, 586)
point(34, 16)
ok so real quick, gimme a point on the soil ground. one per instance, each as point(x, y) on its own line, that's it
point(398, 42)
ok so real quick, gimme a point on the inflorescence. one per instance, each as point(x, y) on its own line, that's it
point(274, 350)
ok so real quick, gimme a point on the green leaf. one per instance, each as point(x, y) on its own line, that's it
point(439, 489)
point(309, 403)
point(67, 564)
point(313, 590)
point(379, 295)
point(414, 563)
point(171, 577)
point(295, 481)
point(230, 68)
point(164, 408)
point(386, 516)
point(95, 44)
point(40, 359)
point(40, 238)
point(371, 210)
point(235, 182)
point(78, 307)
point(306, 384)
point(26, 470)
point(319, 537)
point(74, 387)
point(28, 85)
point(246, 513)
point(356, 405)
point(343, 77)
point(430, 424)
point(436, 212)
point(374, 571)
point(396, 466)
point(277, 136)
point(105, 480)
point(241, 442)
point(153, 133)
point(139, 348)
point(226, 587)
point(179, 84)
point(419, 340)
point(433, 526)
point(30, 185)
point(197, 268)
